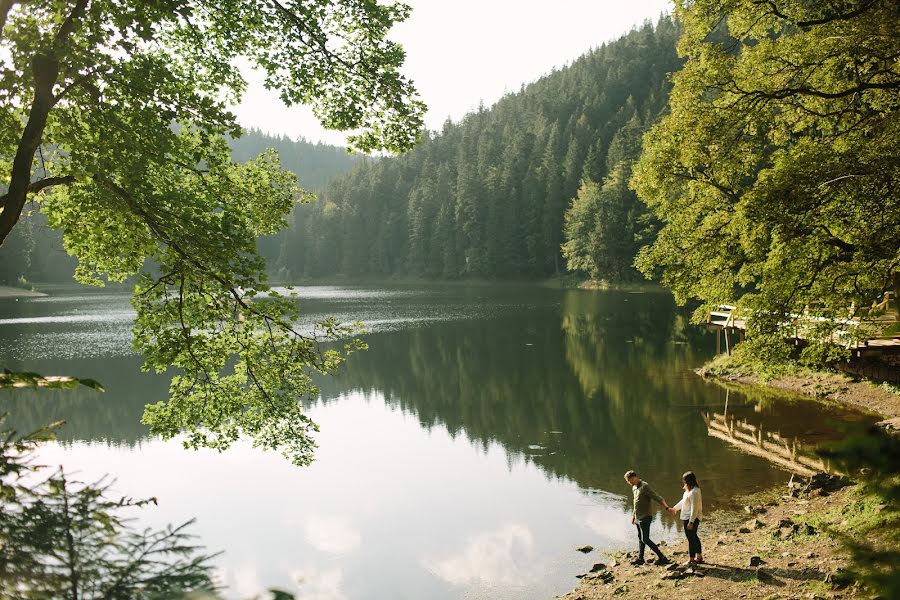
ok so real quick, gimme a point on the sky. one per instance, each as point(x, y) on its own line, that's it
point(463, 52)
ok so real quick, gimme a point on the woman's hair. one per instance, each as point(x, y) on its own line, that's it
point(690, 479)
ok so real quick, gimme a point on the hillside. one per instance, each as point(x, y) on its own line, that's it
point(38, 250)
point(313, 163)
point(486, 197)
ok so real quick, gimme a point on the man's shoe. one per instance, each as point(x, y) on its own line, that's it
point(662, 560)
point(637, 562)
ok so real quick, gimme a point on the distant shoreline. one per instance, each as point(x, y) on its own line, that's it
point(14, 292)
point(566, 282)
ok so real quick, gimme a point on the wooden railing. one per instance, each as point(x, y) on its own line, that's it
point(726, 320)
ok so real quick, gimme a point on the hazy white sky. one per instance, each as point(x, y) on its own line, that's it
point(461, 52)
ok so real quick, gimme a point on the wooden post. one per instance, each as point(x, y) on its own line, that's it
point(718, 341)
point(727, 343)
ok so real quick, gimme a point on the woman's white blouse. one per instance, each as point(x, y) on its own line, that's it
point(691, 505)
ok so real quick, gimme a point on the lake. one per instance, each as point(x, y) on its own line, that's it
point(466, 454)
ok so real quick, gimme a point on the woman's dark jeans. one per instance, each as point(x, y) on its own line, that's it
point(693, 539)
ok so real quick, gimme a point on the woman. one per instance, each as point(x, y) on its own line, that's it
point(691, 507)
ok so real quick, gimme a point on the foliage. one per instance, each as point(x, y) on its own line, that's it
point(258, 393)
point(872, 524)
point(62, 539)
point(606, 225)
point(775, 173)
point(314, 164)
point(766, 356)
point(821, 352)
point(889, 387)
point(34, 252)
point(485, 197)
point(112, 118)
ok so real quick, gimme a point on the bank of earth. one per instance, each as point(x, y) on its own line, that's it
point(783, 543)
point(882, 399)
point(14, 292)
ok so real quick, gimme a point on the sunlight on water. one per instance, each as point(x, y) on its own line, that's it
point(79, 318)
point(337, 294)
point(466, 454)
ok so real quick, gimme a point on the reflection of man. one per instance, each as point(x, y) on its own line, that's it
point(642, 517)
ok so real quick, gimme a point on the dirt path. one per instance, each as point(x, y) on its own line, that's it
point(776, 548)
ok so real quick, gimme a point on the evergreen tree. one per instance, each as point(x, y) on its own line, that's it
point(486, 197)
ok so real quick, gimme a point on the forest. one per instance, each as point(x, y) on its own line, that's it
point(743, 154)
point(616, 168)
point(487, 197)
point(38, 250)
point(731, 155)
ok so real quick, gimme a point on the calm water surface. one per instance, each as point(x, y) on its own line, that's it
point(465, 455)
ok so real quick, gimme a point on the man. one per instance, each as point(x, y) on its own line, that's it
point(641, 517)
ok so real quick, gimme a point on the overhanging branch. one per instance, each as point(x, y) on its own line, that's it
point(40, 185)
point(839, 16)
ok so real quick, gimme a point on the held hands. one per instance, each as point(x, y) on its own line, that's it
point(690, 525)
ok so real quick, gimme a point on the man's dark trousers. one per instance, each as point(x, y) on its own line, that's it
point(643, 529)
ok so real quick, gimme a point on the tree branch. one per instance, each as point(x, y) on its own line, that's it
point(846, 16)
point(787, 92)
point(38, 186)
point(68, 26)
point(46, 70)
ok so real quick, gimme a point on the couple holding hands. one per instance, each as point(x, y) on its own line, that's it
point(690, 507)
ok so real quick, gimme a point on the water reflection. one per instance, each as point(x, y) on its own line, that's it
point(583, 390)
point(789, 453)
point(319, 584)
point(480, 439)
point(581, 384)
point(780, 430)
point(334, 535)
point(506, 556)
point(112, 417)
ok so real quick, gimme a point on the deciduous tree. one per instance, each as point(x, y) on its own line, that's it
point(776, 171)
point(112, 118)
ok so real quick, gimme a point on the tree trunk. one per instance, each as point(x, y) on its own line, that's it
point(46, 70)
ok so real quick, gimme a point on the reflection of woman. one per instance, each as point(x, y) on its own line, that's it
point(691, 506)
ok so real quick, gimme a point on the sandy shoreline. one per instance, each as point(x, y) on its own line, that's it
point(14, 292)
